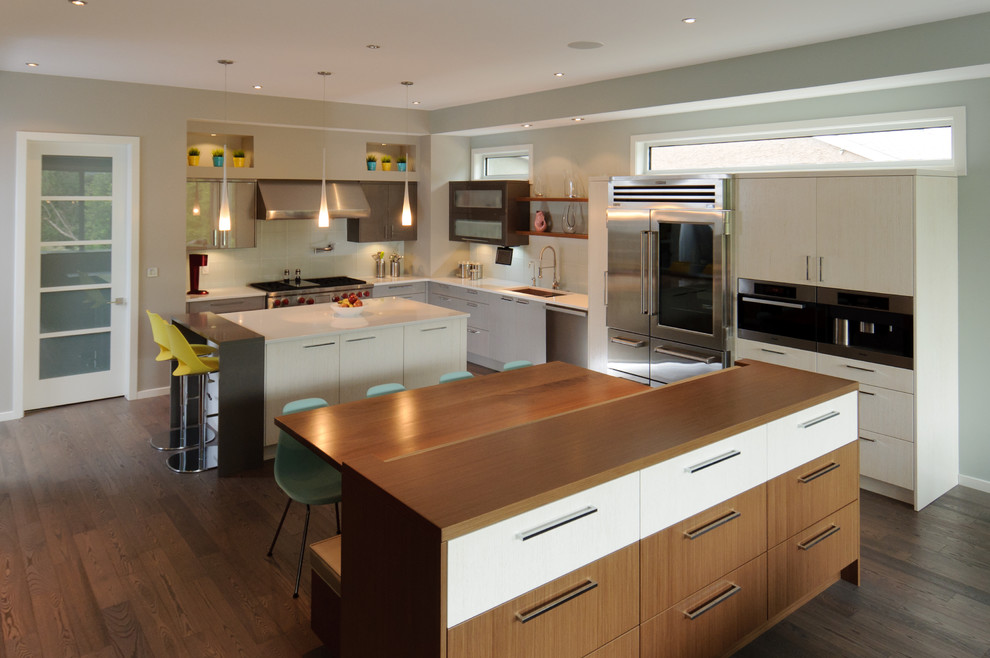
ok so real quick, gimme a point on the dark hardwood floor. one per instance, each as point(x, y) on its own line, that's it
point(104, 552)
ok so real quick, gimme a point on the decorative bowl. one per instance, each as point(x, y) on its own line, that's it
point(347, 311)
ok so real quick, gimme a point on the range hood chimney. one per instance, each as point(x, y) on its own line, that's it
point(300, 199)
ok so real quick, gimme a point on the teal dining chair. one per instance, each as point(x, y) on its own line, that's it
point(515, 365)
point(455, 376)
point(384, 389)
point(304, 477)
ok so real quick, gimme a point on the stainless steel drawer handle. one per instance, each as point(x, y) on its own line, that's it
point(817, 474)
point(770, 302)
point(358, 340)
point(867, 393)
point(533, 613)
point(473, 331)
point(628, 342)
point(819, 538)
point(401, 285)
point(821, 419)
point(763, 349)
point(711, 462)
point(708, 527)
point(306, 347)
point(433, 329)
point(684, 355)
point(472, 304)
point(858, 368)
point(556, 523)
point(863, 438)
point(721, 598)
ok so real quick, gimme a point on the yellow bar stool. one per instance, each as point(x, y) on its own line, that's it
point(175, 438)
point(202, 457)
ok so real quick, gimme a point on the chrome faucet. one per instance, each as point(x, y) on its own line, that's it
point(556, 282)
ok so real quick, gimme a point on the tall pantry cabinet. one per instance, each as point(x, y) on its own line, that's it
point(890, 232)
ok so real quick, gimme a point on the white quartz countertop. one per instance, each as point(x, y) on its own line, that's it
point(226, 293)
point(563, 298)
point(320, 319)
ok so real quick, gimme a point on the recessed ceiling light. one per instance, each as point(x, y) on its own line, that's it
point(558, 75)
point(78, 3)
point(585, 45)
point(213, 134)
point(256, 86)
point(578, 119)
point(32, 64)
point(415, 102)
point(372, 46)
point(527, 125)
point(689, 21)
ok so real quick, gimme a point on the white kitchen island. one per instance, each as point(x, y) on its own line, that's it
point(311, 351)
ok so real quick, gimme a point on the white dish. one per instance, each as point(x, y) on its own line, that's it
point(347, 311)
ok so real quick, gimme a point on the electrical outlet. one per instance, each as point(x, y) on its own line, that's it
point(152, 272)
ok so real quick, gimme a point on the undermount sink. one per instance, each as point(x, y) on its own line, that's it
point(537, 292)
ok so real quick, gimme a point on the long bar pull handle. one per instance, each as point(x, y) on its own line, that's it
point(819, 538)
point(763, 349)
point(556, 523)
point(605, 287)
point(643, 259)
point(627, 342)
point(433, 329)
point(708, 527)
point(685, 355)
point(821, 269)
point(867, 393)
point(651, 270)
point(772, 302)
point(473, 331)
point(721, 598)
point(863, 438)
point(529, 615)
point(807, 268)
point(306, 347)
point(711, 462)
point(821, 419)
point(858, 368)
point(817, 474)
point(358, 340)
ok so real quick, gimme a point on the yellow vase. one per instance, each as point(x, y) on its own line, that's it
point(193, 160)
point(386, 166)
point(238, 162)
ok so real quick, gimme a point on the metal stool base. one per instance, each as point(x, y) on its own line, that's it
point(195, 460)
point(176, 439)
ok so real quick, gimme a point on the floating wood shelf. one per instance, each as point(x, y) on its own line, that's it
point(548, 234)
point(570, 199)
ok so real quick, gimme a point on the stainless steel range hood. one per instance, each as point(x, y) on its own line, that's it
point(300, 199)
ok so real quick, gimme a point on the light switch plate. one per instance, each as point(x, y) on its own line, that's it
point(152, 272)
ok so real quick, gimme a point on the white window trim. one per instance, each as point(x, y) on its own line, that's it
point(951, 116)
point(478, 156)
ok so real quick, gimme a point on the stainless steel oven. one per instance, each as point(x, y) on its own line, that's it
point(781, 313)
point(867, 326)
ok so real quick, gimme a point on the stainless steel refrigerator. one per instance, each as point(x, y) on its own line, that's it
point(667, 307)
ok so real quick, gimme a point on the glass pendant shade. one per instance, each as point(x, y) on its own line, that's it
point(324, 219)
point(223, 223)
point(406, 209)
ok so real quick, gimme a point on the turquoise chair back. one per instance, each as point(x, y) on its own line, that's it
point(384, 389)
point(302, 475)
point(455, 376)
point(514, 365)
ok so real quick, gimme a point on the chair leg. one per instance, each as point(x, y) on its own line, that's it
point(302, 552)
point(336, 514)
point(279, 528)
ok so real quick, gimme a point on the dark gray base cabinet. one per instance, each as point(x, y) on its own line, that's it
point(385, 223)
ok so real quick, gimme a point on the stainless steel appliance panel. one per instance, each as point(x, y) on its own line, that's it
point(867, 326)
point(671, 361)
point(781, 313)
point(629, 354)
point(628, 281)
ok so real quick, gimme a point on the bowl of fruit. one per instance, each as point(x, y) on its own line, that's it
point(348, 307)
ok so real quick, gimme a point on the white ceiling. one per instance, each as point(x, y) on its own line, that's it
point(456, 51)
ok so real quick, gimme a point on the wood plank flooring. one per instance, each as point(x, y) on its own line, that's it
point(105, 552)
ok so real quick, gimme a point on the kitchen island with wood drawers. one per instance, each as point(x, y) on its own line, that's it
point(628, 522)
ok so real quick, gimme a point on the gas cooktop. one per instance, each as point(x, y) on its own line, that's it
point(293, 285)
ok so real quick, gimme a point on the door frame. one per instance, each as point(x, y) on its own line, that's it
point(131, 275)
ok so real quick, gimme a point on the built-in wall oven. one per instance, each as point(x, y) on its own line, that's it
point(780, 313)
point(666, 294)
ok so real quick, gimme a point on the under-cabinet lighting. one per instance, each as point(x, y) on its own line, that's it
point(32, 64)
point(689, 21)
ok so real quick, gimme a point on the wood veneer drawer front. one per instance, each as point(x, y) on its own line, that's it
point(711, 621)
point(570, 616)
point(810, 433)
point(887, 459)
point(624, 646)
point(779, 355)
point(697, 551)
point(886, 411)
point(874, 374)
point(497, 563)
point(811, 492)
point(686, 485)
point(812, 558)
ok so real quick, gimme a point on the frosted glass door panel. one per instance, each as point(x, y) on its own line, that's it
point(74, 355)
point(74, 265)
point(476, 228)
point(74, 310)
point(478, 198)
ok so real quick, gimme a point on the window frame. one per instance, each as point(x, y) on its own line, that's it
point(952, 117)
point(479, 156)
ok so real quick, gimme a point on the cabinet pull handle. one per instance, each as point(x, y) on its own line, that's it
point(472, 304)
point(772, 302)
point(473, 331)
point(867, 393)
point(605, 288)
point(521, 301)
point(821, 419)
point(708, 527)
point(817, 474)
point(533, 613)
point(627, 342)
point(699, 358)
point(807, 268)
point(470, 292)
point(306, 347)
point(720, 598)
point(357, 340)
point(433, 329)
point(821, 269)
point(763, 349)
point(556, 523)
point(396, 286)
point(819, 538)
point(864, 438)
point(858, 368)
point(711, 462)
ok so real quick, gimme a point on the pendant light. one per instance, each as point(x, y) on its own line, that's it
point(324, 218)
point(223, 223)
point(406, 209)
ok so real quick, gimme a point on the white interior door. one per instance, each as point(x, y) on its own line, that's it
point(78, 214)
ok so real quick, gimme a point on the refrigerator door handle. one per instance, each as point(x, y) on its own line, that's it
point(651, 269)
point(643, 260)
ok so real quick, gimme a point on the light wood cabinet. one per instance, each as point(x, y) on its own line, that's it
point(368, 358)
point(779, 355)
point(625, 646)
point(775, 229)
point(297, 369)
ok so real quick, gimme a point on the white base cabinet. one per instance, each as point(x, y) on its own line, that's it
point(369, 358)
point(297, 369)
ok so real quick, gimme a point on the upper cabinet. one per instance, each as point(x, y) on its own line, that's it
point(385, 222)
point(487, 212)
point(203, 212)
point(851, 232)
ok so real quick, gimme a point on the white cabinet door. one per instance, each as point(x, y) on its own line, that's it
point(368, 358)
point(774, 229)
point(298, 369)
point(431, 349)
point(866, 233)
point(502, 332)
point(518, 330)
